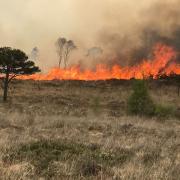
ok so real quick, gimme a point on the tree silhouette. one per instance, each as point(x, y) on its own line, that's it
point(60, 43)
point(69, 46)
point(34, 54)
point(94, 52)
point(14, 62)
point(64, 48)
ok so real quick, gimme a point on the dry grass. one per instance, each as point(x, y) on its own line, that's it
point(80, 130)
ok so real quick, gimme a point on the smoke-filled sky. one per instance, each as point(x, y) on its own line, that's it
point(114, 25)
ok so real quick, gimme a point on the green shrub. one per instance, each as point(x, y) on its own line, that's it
point(164, 111)
point(140, 103)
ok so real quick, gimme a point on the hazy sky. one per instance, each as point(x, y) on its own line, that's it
point(28, 23)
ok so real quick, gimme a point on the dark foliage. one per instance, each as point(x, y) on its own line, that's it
point(140, 103)
point(14, 62)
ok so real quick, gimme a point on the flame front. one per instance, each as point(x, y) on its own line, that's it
point(162, 63)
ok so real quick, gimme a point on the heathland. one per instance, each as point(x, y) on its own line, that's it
point(82, 130)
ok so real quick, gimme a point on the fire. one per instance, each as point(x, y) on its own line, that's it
point(162, 63)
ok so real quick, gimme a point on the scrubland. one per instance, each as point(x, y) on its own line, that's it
point(81, 130)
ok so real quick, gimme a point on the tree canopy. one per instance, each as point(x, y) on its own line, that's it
point(14, 62)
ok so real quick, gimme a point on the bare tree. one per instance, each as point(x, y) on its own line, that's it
point(94, 52)
point(34, 54)
point(60, 43)
point(69, 46)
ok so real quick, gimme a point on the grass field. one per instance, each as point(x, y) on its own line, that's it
point(81, 130)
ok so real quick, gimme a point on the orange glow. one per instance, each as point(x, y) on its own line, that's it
point(162, 63)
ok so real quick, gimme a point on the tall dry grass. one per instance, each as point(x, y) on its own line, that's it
point(76, 130)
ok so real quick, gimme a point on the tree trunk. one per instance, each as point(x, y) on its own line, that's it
point(6, 86)
point(65, 64)
point(60, 59)
point(65, 61)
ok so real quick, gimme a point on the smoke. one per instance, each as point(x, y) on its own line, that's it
point(94, 52)
point(126, 30)
point(161, 25)
point(157, 22)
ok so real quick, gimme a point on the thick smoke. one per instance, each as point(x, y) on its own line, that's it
point(157, 23)
point(126, 30)
point(162, 25)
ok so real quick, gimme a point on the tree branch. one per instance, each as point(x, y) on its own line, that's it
point(12, 77)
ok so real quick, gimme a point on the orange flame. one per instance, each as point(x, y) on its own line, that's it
point(162, 63)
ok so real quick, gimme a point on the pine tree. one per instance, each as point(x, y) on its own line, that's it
point(14, 62)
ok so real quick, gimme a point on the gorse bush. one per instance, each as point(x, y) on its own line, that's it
point(140, 102)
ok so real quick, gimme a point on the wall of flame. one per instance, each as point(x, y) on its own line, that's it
point(163, 63)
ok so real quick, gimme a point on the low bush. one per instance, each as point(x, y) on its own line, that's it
point(140, 102)
point(164, 111)
point(41, 154)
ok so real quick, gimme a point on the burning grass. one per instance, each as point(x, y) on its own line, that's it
point(163, 62)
